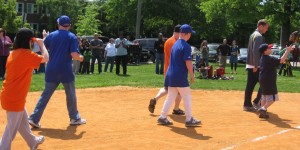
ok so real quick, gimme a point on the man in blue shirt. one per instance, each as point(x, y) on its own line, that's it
point(176, 78)
point(63, 46)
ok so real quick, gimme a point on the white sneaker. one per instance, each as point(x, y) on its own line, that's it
point(39, 140)
point(78, 121)
point(33, 124)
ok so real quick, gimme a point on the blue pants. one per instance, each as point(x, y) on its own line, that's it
point(46, 95)
point(252, 80)
point(99, 59)
point(109, 60)
point(159, 61)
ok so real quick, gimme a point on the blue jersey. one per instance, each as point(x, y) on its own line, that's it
point(60, 43)
point(177, 72)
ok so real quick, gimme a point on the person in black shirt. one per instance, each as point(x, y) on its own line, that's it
point(159, 47)
point(268, 76)
point(223, 50)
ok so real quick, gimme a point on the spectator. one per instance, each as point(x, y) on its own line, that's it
point(5, 43)
point(86, 62)
point(37, 50)
point(286, 66)
point(159, 47)
point(234, 52)
point(96, 46)
point(84, 47)
point(252, 65)
point(223, 51)
point(204, 49)
point(63, 46)
point(110, 54)
point(76, 63)
point(121, 56)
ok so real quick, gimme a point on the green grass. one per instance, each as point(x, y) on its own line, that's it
point(144, 76)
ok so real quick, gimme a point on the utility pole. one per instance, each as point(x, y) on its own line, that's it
point(138, 19)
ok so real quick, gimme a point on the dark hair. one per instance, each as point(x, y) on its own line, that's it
point(23, 38)
point(262, 22)
point(295, 33)
point(2, 30)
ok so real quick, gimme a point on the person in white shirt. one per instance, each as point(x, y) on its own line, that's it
point(110, 55)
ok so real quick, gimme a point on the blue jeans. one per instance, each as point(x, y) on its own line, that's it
point(46, 95)
point(159, 60)
point(109, 60)
point(98, 57)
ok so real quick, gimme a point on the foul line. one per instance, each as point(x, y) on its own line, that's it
point(259, 138)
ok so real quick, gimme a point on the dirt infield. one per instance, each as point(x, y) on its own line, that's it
point(117, 118)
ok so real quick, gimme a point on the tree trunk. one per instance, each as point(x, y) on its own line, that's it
point(285, 32)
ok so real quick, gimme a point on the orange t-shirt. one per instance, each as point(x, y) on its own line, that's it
point(167, 52)
point(19, 68)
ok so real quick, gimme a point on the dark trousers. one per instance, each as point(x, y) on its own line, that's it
point(85, 68)
point(80, 66)
point(98, 57)
point(235, 65)
point(124, 60)
point(252, 80)
point(287, 69)
point(109, 60)
point(159, 61)
point(3, 60)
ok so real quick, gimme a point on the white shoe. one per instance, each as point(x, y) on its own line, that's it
point(78, 121)
point(39, 140)
point(33, 124)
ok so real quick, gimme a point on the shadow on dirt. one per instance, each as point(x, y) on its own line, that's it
point(67, 134)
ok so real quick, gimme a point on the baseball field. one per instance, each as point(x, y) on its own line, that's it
point(117, 118)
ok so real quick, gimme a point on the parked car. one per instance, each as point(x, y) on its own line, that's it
point(275, 53)
point(243, 55)
point(212, 53)
point(195, 51)
point(136, 53)
point(147, 44)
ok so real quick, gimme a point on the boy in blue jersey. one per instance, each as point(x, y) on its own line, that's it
point(63, 46)
point(176, 77)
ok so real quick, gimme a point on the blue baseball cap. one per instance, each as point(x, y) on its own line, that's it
point(187, 29)
point(64, 21)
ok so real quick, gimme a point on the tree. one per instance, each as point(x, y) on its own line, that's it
point(232, 19)
point(286, 14)
point(9, 19)
point(57, 8)
point(88, 23)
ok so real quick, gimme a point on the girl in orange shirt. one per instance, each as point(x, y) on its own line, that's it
point(19, 68)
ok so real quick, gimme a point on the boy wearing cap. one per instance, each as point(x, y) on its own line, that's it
point(176, 77)
point(63, 46)
point(20, 64)
point(163, 91)
point(268, 76)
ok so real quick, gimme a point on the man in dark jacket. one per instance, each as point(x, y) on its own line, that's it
point(223, 51)
point(159, 47)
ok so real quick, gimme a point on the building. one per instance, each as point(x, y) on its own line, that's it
point(31, 13)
